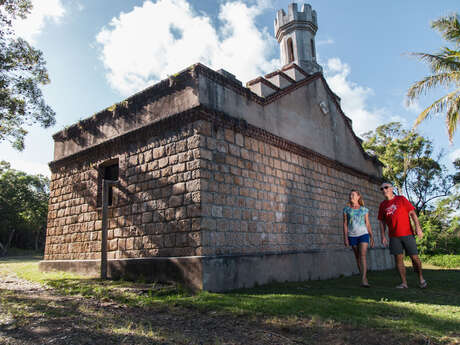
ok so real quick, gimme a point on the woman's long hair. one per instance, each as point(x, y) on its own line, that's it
point(360, 201)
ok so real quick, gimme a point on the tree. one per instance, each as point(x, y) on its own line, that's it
point(22, 71)
point(409, 163)
point(445, 69)
point(441, 226)
point(457, 173)
point(23, 208)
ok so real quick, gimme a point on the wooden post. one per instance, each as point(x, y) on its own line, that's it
point(105, 201)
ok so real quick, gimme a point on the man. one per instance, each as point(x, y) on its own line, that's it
point(395, 212)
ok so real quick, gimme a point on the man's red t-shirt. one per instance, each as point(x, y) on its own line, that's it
point(395, 214)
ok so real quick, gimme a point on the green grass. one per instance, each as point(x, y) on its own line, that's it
point(432, 312)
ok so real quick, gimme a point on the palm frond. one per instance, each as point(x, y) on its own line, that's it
point(451, 53)
point(447, 61)
point(432, 81)
point(449, 27)
point(447, 101)
point(453, 118)
point(445, 67)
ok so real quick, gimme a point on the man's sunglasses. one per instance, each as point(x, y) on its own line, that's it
point(386, 187)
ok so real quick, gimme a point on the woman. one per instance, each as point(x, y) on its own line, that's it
point(357, 232)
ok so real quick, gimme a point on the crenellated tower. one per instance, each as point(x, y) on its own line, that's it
point(295, 32)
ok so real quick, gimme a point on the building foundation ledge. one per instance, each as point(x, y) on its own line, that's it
point(227, 272)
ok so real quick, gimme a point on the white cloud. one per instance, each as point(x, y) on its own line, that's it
point(454, 155)
point(354, 98)
point(325, 42)
point(163, 37)
point(262, 4)
point(413, 107)
point(42, 11)
point(80, 6)
point(30, 167)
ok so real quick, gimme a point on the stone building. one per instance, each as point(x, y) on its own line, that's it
point(219, 185)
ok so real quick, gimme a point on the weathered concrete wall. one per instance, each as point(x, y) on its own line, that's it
point(156, 206)
point(297, 117)
point(224, 273)
point(164, 99)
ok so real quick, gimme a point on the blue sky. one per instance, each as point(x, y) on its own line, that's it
point(100, 52)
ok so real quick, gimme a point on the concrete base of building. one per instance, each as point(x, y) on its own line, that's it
point(223, 273)
point(184, 270)
point(231, 272)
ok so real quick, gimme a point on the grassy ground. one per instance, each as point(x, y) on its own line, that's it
point(332, 311)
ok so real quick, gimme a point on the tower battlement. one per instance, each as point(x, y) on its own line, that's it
point(307, 15)
point(295, 32)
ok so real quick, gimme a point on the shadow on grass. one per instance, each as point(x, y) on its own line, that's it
point(41, 320)
point(44, 319)
point(443, 287)
point(434, 311)
point(129, 293)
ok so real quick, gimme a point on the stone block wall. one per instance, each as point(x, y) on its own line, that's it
point(156, 206)
point(262, 195)
point(206, 188)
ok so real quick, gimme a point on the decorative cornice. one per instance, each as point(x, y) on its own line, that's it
point(219, 119)
point(295, 25)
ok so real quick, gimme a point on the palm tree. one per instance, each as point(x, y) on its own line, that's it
point(445, 68)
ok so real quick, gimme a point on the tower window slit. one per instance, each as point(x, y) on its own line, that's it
point(313, 53)
point(290, 48)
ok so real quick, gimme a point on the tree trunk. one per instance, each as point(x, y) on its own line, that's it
point(4, 248)
point(37, 238)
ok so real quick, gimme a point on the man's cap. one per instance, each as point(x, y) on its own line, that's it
point(386, 184)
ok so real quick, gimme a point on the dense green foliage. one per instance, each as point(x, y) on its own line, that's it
point(442, 260)
point(438, 239)
point(441, 227)
point(22, 71)
point(457, 174)
point(409, 163)
point(445, 69)
point(23, 208)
